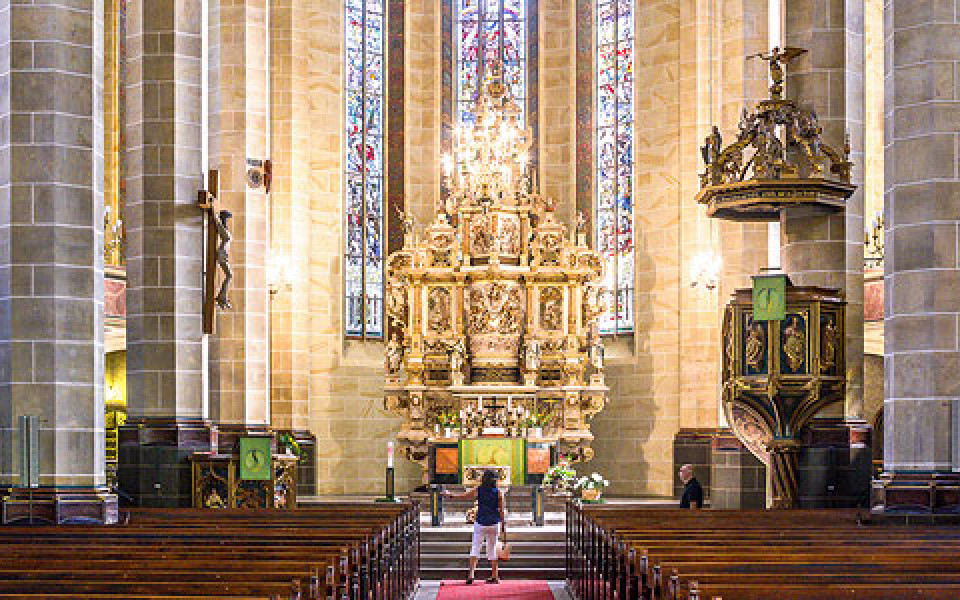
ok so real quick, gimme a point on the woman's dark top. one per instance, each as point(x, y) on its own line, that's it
point(488, 505)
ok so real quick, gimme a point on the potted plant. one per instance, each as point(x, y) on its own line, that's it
point(535, 423)
point(448, 420)
point(560, 477)
point(591, 487)
point(288, 444)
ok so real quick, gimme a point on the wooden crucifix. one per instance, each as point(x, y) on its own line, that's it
point(217, 257)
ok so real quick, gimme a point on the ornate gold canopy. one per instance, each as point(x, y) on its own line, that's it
point(493, 309)
point(778, 160)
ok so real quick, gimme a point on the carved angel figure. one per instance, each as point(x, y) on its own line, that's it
point(397, 304)
point(596, 353)
point(458, 355)
point(531, 354)
point(394, 357)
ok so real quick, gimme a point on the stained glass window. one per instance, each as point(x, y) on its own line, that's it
point(490, 31)
point(364, 247)
point(614, 159)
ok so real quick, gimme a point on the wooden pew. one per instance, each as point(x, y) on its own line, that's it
point(623, 552)
point(346, 551)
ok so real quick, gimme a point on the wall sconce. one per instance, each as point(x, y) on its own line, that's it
point(873, 244)
point(280, 273)
point(705, 270)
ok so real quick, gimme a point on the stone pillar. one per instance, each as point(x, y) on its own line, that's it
point(827, 251)
point(51, 255)
point(922, 279)
point(290, 233)
point(239, 97)
point(740, 83)
point(163, 170)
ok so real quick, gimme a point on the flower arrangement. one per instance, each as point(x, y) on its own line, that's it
point(448, 419)
point(286, 440)
point(560, 476)
point(535, 419)
point(591, 487)
point(594, 482)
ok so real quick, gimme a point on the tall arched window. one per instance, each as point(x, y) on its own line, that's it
point(613, 208)
point(490, 31)
point(364, 176)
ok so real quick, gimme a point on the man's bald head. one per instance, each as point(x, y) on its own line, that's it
point(686, 473)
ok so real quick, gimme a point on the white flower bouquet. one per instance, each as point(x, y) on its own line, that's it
point(594, 482)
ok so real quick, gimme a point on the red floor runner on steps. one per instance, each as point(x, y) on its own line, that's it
point(506, 589)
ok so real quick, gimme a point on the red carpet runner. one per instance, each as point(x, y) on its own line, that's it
point(518, 590)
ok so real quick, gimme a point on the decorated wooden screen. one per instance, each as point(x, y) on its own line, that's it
point(364, 176)
point(614, 143)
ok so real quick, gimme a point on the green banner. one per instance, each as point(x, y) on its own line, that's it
point(769, 297)
point(255, 458)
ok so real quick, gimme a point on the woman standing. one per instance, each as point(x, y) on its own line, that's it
point(489, 515)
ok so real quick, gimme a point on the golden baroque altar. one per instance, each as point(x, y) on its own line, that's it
point(493, 307)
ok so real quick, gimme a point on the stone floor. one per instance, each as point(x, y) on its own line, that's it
point(429, 590)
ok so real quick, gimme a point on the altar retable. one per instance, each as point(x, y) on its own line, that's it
point(494, 352)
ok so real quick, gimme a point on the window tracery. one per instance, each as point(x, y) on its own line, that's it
point(614, 156)
point(364, 164)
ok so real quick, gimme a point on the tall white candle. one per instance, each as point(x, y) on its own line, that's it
point(389, 455)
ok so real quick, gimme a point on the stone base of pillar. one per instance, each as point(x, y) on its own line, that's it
point(307, 466)
point(154, 465)
point(731, 477)
point(739, 478)
point(834, 464)
point(57, 506)
point(917, 497)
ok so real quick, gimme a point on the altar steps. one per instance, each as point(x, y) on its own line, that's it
point(535, 553)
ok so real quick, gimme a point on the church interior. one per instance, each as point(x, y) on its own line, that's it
point(284, 284)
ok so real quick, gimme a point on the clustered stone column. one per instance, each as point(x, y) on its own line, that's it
point(827, 250)
point(922, 279)
point(51, 257)
point(163, 169)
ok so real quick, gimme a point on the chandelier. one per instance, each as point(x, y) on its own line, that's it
point(491, 153)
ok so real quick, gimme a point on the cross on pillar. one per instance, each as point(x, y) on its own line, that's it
point(217, 238)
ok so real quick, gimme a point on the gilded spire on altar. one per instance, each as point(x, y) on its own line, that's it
point(493, 311)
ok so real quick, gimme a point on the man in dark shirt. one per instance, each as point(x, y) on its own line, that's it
point(692, 492)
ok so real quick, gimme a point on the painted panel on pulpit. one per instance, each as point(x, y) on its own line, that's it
point(795, 343)
point(500, 452)
point(754, 340)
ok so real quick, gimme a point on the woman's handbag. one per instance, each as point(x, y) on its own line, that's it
point(503, 549)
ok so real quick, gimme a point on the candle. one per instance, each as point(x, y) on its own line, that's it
point(389, 455)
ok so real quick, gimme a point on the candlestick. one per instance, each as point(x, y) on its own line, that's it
point(389, 455)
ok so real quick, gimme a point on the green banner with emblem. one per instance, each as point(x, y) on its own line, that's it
point(769, 297)
point(255, 458)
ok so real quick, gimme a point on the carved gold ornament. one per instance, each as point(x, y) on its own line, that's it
point(756, 341)
point(828, 346)
point(795, 344)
